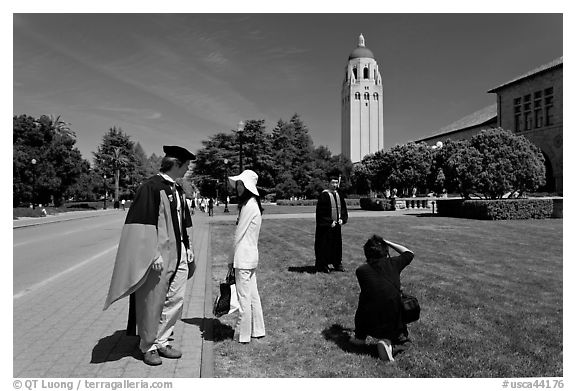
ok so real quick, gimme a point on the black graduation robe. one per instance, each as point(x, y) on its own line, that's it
point(328, 239)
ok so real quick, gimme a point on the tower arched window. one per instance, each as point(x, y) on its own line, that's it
point(366, 73)
point(355, 72)
point(357, 95)
point(367, 96)
point(375, 96)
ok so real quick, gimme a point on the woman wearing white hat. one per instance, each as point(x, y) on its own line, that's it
point(245, 260)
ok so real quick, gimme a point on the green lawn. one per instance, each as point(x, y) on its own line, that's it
point(490, 291)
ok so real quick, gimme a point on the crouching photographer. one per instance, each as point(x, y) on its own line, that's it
point(379, 312)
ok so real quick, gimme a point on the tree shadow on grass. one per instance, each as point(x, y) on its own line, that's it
point(212, 329)
point(428, 214)
point(341, 337)
point(115, 347)
point(302, 269)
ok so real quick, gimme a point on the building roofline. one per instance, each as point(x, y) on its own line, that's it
point(558, 62)
point(478, 118)
point(455, 130)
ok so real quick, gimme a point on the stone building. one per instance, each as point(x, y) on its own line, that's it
point(530, 105)
point(362, 107)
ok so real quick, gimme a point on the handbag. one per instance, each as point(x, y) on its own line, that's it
point(227, 301)
point(410, 307)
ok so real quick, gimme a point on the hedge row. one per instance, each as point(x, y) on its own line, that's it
point(349, 202)
point(375, 204)
point(509, 209)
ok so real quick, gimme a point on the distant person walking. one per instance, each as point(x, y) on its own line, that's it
point(331, 214)
point(123, 204)
point(152, 259)
point(379, 306)
point(193, 205)
point(250, 322)
point(210, 207)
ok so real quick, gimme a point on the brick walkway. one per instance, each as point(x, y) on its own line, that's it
point(60, 329)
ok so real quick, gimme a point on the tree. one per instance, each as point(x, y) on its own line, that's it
point(51, 143)
point(361, 178)
point(495, 162)
point(115, 156)
point(444, 176)
point(403, 167)
point(210, 166)
point(86, 186)
point(257, 151)
point(292, 147)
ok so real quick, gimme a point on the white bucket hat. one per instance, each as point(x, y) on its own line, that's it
point(249, 178)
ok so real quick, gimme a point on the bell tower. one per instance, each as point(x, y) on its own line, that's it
point(362, 105)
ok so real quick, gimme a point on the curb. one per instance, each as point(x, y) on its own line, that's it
point(207, 360)
point(38, 220)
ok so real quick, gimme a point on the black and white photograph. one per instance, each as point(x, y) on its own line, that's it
point(259, 193)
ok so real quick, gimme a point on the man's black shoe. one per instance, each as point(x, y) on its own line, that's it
point(339, 268)
point(323, 270)
point(152, 358)
point(169, 352)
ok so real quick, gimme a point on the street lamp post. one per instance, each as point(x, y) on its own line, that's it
point(105, 191)
point(226, 186)
point(33, 161)
point(240, 131)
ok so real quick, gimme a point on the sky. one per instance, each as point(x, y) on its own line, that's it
point(180, 78)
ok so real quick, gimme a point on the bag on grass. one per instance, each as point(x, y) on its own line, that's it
point(227, 301)
point(410, 308)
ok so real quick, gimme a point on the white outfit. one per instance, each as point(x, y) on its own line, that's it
point(250, 320)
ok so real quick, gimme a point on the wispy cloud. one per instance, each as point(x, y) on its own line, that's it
point(140, 113)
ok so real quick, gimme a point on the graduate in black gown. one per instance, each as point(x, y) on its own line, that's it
point(331, 214)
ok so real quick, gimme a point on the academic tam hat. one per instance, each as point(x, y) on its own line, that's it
point(179, 153)
point(249, 178)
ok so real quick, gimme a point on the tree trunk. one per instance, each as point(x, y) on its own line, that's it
point(117, 185)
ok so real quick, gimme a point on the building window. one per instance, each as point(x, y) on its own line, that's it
point(549, 116)
point(527, 120)
point(366, 74)
point(533, 111)
point(517, 123)
point(549, 106)
point(357, 96)
point(375, 96)
point(367, 96)
point(537, 118)
point(355, 72)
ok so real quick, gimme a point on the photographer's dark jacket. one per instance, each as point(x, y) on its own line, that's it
point(379, 305)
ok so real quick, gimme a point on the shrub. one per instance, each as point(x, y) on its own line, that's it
point(80, 206)
point(296, 202)
point(375, 204)
point(509, 209)
point(449, 207)
point(349, 202)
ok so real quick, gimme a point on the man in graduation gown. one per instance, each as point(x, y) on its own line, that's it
point(153, 255)
point(331, 214)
